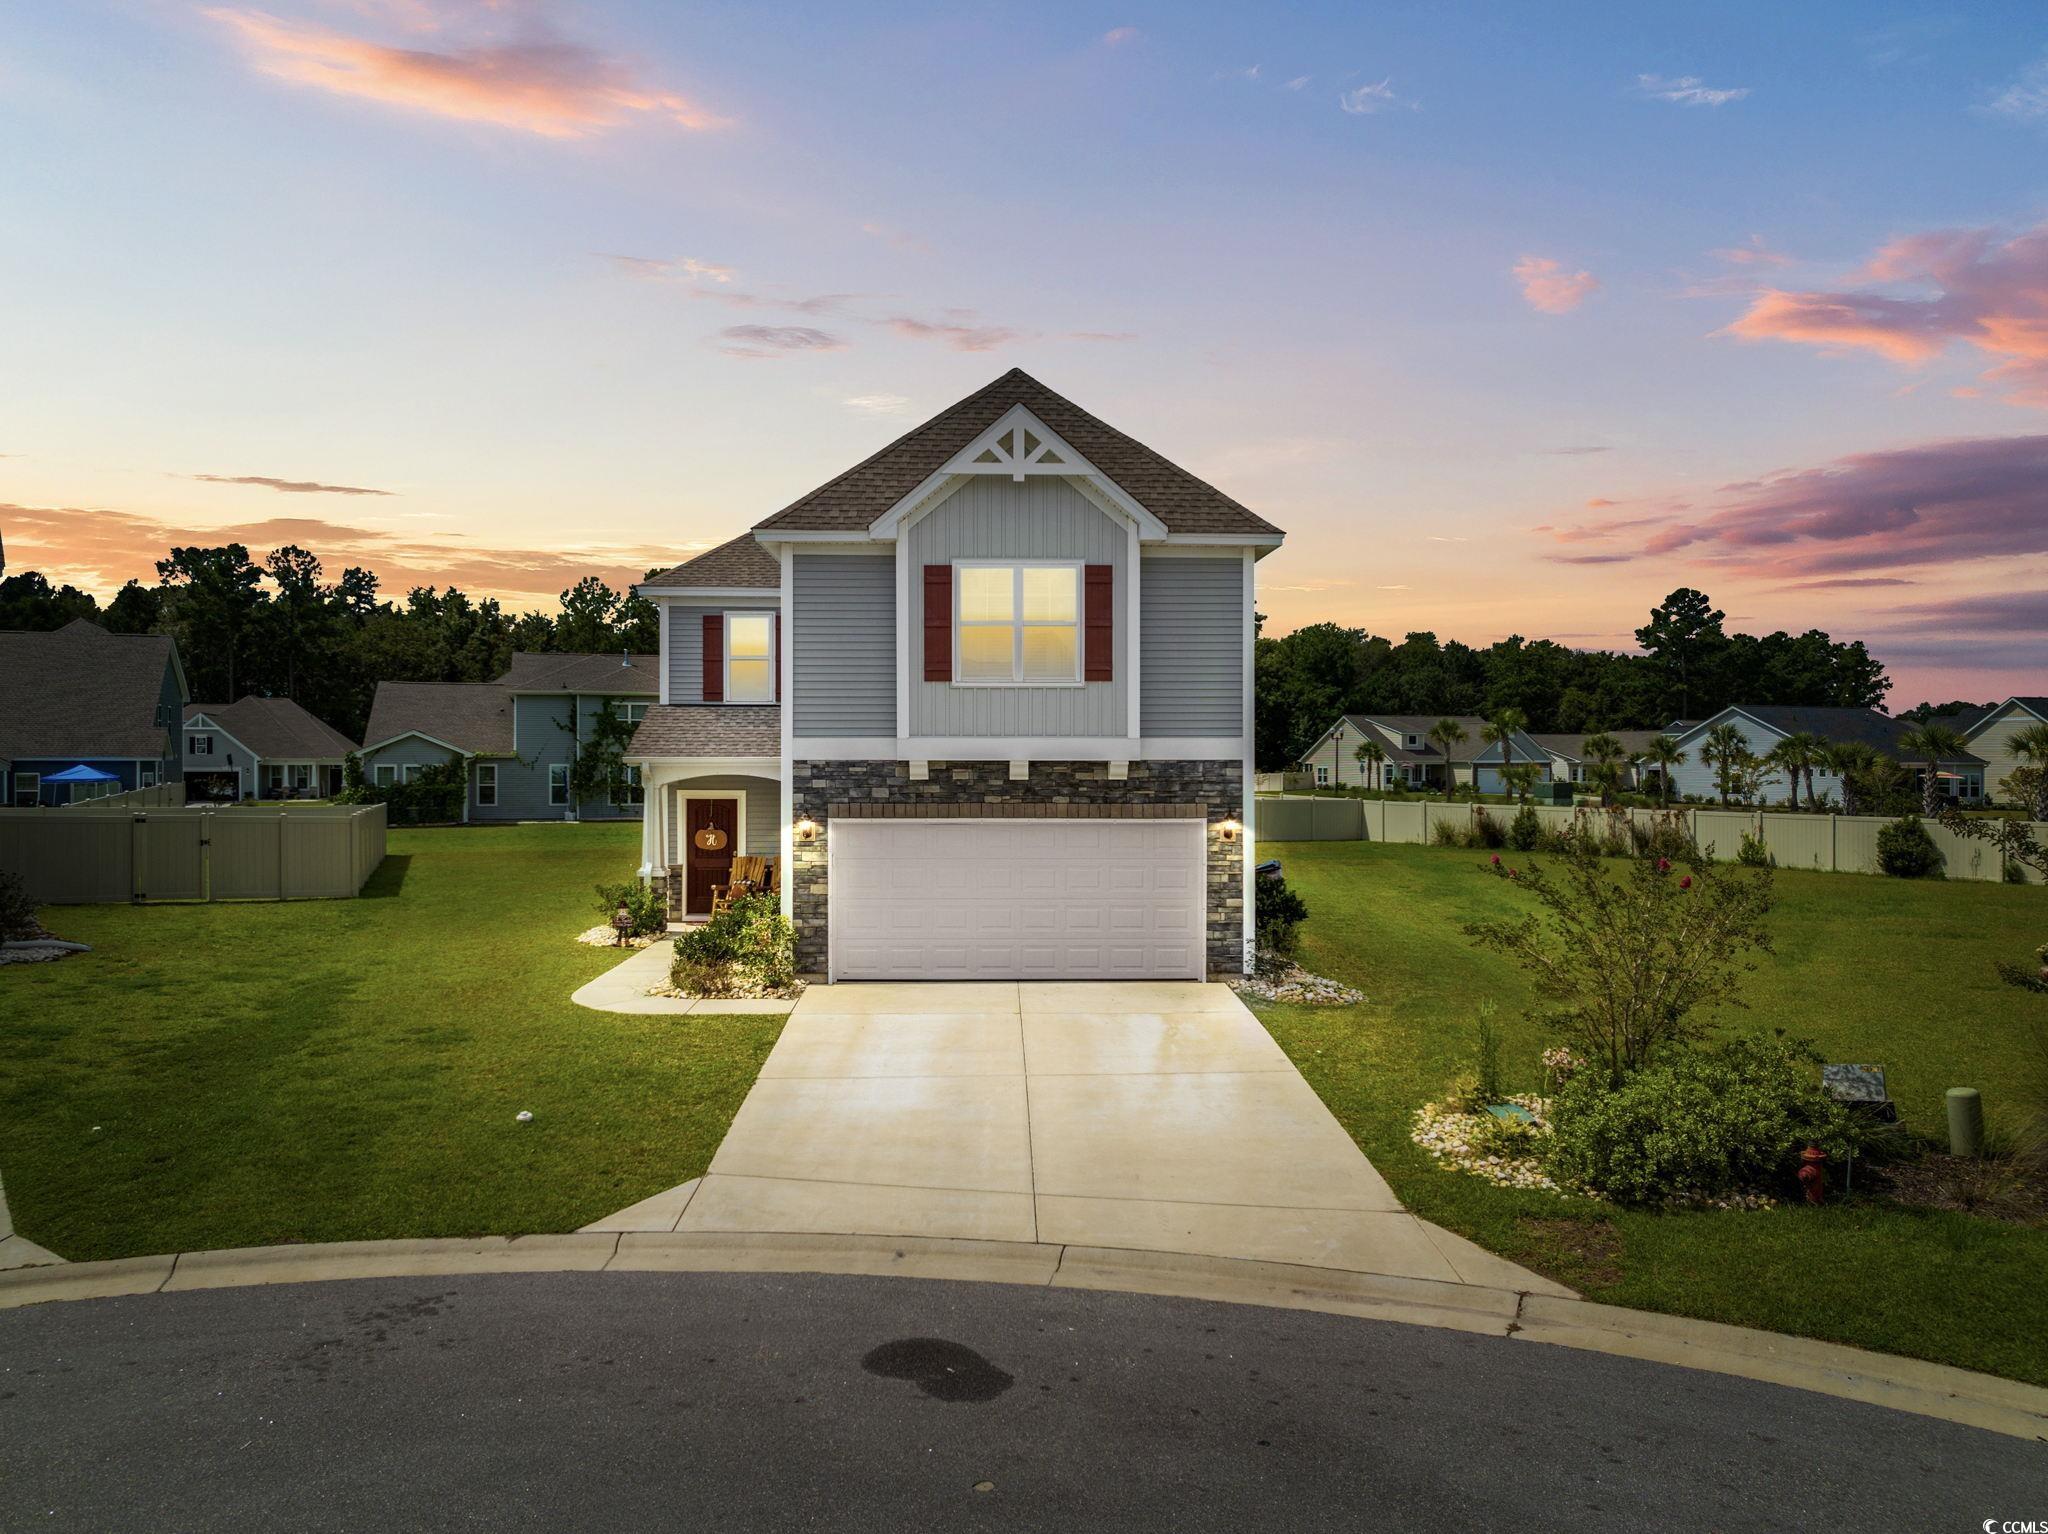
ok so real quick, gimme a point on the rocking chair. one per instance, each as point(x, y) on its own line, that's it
point(750, 876)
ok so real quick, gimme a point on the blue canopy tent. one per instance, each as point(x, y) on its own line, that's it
point(82, 774)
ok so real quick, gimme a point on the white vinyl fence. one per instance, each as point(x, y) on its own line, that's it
point(89, 854)
point(162, 796)
point(1827, 843)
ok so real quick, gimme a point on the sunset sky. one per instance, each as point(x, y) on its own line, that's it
point(1515, 317)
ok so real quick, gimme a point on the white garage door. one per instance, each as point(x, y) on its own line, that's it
point(1017, 899)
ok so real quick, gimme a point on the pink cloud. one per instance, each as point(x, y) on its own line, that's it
point(540, 84)
point(958, 331)
point(1966, 285)
point(1550, 288)
point(1936, 503)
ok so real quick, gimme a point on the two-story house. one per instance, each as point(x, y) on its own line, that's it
point(1408, 754)
point(79, 696)
point(521, 734)
point(269, 748)
point(1990, 737)
point(985, 696)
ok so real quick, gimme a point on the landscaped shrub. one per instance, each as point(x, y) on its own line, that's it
point(1701, 1123)
point(1525, 831)
point(1486, 832)
point(647, 905)
point(1448, 833)
point(1906, 851)
point(1486, 1056)
point(1754, 852)
point(17, 911)
point(1664, 835)
point(747, 949)
point(1277, 915)
point(1627, 958)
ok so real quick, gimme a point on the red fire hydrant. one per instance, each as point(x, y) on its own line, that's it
point(1813, 1176)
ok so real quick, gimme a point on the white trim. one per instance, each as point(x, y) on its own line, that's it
point(1006, 748)
point(786, 719)
point(702, 766)
point(1074, 466)
point(713, 593)
point(1134, 581)
point(35, 795)
point(1248, 810)
point(680, 789)
point(1261, 544)
point(481, 769)
point(905, 629)
point(725, 659)
point(1017, 623)
point(775, 539)
point(432, 740)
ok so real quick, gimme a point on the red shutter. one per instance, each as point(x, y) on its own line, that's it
point(1099, 616)
point(776, 624)
point(938, 623)
point(714, 657)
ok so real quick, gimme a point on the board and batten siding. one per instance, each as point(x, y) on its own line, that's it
point(1993, 742)
point(844, 680)
point(682, 639)
point(1038, 518)
point(1191, 646)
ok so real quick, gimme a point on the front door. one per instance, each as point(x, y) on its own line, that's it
point(706, 866)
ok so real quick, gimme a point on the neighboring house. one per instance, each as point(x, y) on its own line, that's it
point(1990, 737)
point(1763, 726)
point(1412, 757)
point(1569, 761)
point(80, 696)
point(267, 748)
point(986, 696)
point(523, 733)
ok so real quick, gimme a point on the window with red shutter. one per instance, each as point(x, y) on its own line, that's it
point(938, 623)
point(714, 657)
point(1098, 613)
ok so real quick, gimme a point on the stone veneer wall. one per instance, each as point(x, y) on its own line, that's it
point(1055, 790)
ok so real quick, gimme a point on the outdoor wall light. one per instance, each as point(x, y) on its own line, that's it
point(807, 830)
point(1230, 830)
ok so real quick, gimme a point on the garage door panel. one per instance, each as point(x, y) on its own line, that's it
point(980, 899)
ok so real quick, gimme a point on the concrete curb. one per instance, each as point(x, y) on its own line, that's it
point(1902, 1384)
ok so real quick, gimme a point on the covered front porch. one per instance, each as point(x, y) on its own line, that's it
point(738, 801)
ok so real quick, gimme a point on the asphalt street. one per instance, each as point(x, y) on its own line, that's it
point(740, 1402)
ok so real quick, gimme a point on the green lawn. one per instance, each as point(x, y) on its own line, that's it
point(1879, 970)
point(346, 1069)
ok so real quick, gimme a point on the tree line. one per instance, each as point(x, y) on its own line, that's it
point(281, 628)
point(1691, 667)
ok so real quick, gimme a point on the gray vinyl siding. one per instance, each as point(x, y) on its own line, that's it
point(683, 639)
point(1039, 518)
point(760, 835)
point(407, 748)
point(171, 708)
point(588, 706)
point(1191, 646)
point(540, 736)
point(844, 621)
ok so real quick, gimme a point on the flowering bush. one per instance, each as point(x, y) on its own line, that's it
point(1704, 1125)
point(747, 949)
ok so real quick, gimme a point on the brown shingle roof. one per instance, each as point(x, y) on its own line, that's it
point(709, 729)
point(81, 692)
point(276, 728)
point(739, 562)
point(624, 675)
point(473, 717)
point(864, 492)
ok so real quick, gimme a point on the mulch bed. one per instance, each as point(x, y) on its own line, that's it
point(1996, 1188)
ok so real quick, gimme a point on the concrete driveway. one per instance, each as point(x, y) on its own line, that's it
point(1158, 1116)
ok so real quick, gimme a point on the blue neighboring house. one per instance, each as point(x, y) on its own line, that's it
point(80, 696)
point(521, 733)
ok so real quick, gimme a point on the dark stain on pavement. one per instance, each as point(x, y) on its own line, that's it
point(945, 1371)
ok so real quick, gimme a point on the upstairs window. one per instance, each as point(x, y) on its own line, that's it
point(199, 745)
point(749, 658)
point(1017, 625)
point(486, 784)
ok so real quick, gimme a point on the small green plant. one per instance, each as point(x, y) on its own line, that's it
point(1486, 831)
point(1486, 1055)
point(1906, 851)
point(1525, 831)
point(1703, 1123)
point(647, 905)
point(747, 949)
point(1753, 852)
point(1277, 915)
point(17, 910)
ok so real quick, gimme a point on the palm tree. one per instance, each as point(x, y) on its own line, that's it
point(1371, 754)
point(1851, 761)
point(1933, 743)
point(1500, 731)
point(1604, 753)
point(2031, 744)
point(1793, 756)
point(1518, 777)
point(1444, 734)
point(1724, 746)
point(1664, 752)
